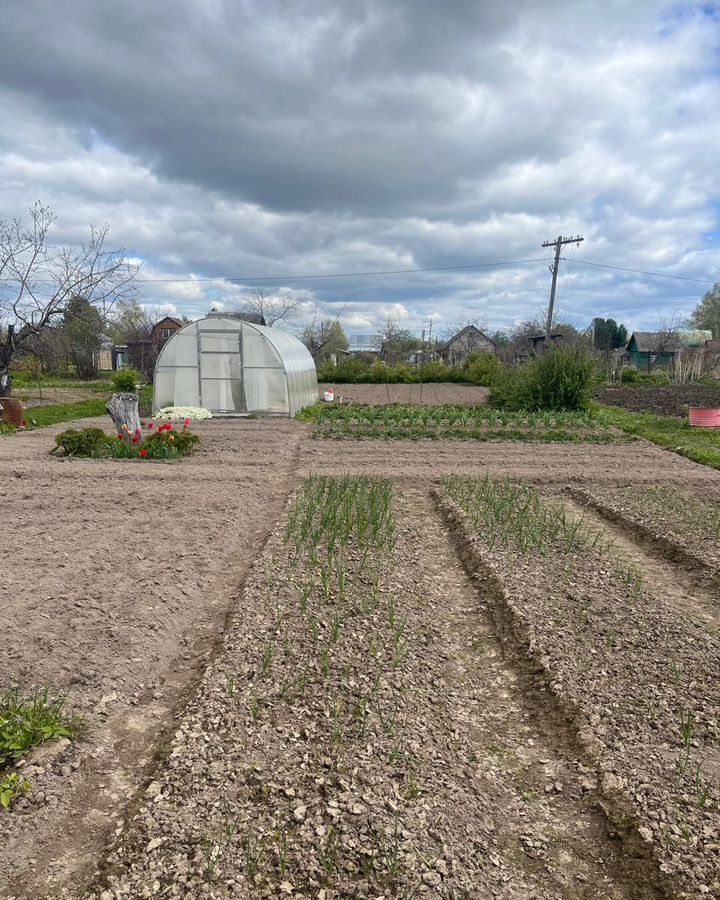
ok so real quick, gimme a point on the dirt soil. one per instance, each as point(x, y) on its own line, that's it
point(119, 580)
point(427, 394)
point(660, 399)
point(117, 577)
point(447, 784)
point(639, 682)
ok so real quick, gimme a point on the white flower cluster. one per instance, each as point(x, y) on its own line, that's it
point(178, 413)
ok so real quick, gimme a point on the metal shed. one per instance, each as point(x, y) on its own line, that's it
point(234, 367)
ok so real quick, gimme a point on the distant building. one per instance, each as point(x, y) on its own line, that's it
point(364, 343)
point(653, 349)
point(537, 341)
point(468, 340)
point(164, 329)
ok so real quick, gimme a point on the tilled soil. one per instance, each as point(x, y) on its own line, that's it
point(117, 577)
point(638, 681)
point(449, 785)
point(549, 463)
point(660, 399)
point(131, 664)
point(427, 394)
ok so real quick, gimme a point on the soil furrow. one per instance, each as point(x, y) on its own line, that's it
point(687, 589)
point(550, 826)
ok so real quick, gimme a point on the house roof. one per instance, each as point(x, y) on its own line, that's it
point(173, 319)
point(465, 332)
point(655, 342)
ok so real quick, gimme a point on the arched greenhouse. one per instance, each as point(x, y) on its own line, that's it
point(231, 367)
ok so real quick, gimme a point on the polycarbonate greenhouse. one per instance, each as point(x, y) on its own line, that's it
point(232, 367)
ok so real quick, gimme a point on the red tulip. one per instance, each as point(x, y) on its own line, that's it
point(143, 453)
point(135, 439)
point(120, 437)
point(151, 425)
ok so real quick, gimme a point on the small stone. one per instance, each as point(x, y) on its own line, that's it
point(153, 845)
point(299, 813)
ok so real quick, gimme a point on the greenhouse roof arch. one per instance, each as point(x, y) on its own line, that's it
point(233, 367)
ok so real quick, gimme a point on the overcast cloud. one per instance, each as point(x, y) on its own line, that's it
point(257, 137)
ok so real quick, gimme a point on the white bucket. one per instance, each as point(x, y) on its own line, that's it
point(329, 396)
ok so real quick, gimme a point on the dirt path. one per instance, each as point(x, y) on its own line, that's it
point(555, 841)
point(671, 583)
point(133, 568)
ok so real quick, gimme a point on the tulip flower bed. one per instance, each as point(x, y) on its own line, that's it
point(153, 441)
point(397, 421)
point(638, 679)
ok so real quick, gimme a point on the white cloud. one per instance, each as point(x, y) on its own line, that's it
point(344, 138)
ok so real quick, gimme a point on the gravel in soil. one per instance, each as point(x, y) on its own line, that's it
point(638, 680)
point(117, 576)
point(408, 765)
point(660, 399)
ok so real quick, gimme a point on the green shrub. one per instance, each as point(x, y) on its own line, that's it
point(125, 381)
point(86, 442)
point(483, 368)
point(559, 379)
point(631, 375)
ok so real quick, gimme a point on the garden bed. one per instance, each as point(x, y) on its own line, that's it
point(411, 422)
point(337, 747)
point(677, 524)
point(639, 682)
point(660, 399)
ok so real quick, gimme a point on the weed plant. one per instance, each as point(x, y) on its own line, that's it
point(27, 720)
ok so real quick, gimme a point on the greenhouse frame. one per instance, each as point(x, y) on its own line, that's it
point(233, 367)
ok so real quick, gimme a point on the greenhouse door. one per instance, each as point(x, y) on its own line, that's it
point(221, 371)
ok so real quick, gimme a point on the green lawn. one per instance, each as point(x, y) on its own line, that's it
point(702, 445)
point(22, 381)
point(40, 416)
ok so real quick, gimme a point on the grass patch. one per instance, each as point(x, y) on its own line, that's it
point(701, 445)
point(27, 720)
point(41, 416)
point(24, 381)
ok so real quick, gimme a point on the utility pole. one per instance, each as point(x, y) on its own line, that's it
point(558, 244)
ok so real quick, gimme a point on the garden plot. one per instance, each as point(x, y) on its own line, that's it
point(116, 581)
point(677, 524)
point(639, 681)
point(402, 422)
point(358, 736)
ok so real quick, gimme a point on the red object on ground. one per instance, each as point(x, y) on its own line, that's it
point(704, 418)
point(11, 411)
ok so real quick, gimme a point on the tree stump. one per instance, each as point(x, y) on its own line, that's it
point(123, 410)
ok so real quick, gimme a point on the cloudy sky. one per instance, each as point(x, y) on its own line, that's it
point(260, 138)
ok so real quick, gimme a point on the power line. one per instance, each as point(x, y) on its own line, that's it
point(509, 262)
point(585, 262)
point(558, 244)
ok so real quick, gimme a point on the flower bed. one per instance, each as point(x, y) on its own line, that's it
point(181, 413)
point(639, 681)
point(149, 442)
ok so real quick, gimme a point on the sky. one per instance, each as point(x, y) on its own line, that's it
point(229, 141)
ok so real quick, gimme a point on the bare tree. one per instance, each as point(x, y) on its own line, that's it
point(270, 307)
point(38, 281)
